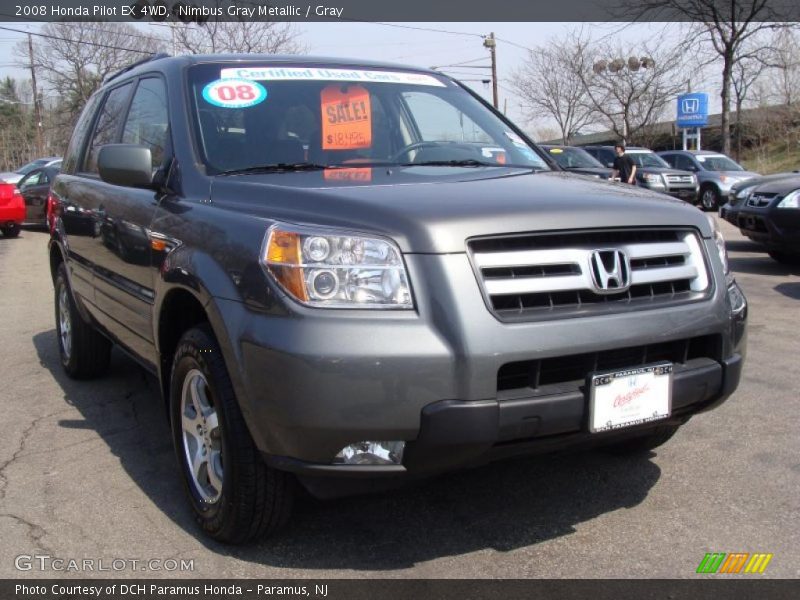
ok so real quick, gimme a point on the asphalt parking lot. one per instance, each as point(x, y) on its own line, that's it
point(87, 472)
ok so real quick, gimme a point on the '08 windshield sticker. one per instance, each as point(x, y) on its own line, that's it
point(234, 93)
point(317, 74)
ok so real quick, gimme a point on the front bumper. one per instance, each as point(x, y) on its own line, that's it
point(311, 382)
point(687, 194)
point(776, 228)
point(455, 434)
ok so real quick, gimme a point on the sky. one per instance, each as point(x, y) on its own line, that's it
point(413, 44)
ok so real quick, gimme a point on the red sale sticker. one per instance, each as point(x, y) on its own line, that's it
point(346, 118)
point(234, 93)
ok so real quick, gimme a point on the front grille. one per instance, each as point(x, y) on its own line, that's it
point(680, 179)
point(760, 200)
point(538, 276)
point(549, 372)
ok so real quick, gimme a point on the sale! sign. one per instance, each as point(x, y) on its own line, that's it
point(346, 117)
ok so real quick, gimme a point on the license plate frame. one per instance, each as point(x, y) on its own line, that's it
point(624, 398)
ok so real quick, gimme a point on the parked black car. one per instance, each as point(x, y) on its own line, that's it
point(771, 217)
point(353, 274)
point(652, 172)
point(34, 187)
point(739, 192)
point(576, 160)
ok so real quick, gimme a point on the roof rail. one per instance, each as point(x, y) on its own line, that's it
point(132, 66)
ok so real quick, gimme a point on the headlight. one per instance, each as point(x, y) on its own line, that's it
point(652, 178)
point(719, 240)
point(790, 201)
point(336, 269)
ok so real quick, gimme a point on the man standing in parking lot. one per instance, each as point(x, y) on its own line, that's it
point(624, 167)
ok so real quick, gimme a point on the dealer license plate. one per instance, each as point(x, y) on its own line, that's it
point(629, 397)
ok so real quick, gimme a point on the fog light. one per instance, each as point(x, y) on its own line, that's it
point(371, 453)
point(737, 300)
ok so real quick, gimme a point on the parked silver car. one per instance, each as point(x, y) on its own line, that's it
point(715, 172)
point(15, 176)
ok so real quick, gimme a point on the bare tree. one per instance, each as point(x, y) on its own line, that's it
point(16, 126)
point(550, 86)
point(783, 58)
point(264, 37)
point(632, 93)
point(73, 59)
point(747, 70)
point(722, 26)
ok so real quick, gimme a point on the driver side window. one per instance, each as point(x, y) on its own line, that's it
point(33, 178)
point(439, 121)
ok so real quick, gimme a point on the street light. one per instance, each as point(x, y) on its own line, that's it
point(616, 65)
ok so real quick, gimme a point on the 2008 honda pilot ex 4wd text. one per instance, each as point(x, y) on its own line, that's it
point(351, 275)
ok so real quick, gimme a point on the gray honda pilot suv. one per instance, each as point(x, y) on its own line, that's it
point(349, 275)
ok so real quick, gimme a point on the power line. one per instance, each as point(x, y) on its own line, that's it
point(134, 35)
point(462, 63)
point(95, 44)
point(478, 35)
point(516, 45)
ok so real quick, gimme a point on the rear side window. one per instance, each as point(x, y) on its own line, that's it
point(78, 139)
point(147, 123)
point(108, 124)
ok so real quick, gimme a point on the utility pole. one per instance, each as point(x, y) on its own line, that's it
point(491, 44)
point(37, 111)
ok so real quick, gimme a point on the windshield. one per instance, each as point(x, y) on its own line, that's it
point(574, 158)
point(247, 117)
point(717, 163)
point(648, 159)
point(39, 162)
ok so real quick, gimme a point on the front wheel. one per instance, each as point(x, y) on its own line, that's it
point(709, 198)
point(235, 497)
point(12, 231)
point(785, 258)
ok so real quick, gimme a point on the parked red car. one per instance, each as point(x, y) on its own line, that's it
point(12, 209)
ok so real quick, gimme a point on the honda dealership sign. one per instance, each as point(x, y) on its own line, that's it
point(692, 110)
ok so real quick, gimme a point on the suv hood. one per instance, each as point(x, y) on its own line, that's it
point(600, 171)
point(662, 170)
point(434, 210)
point(780, 187)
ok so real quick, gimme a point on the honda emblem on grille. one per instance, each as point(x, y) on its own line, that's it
point(611, 271)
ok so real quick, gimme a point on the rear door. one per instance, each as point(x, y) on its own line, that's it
point(34, 188)
point(123, 277)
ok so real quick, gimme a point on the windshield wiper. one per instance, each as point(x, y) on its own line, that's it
point(276, 168)
point(467, 162)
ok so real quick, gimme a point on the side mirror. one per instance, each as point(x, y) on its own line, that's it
point(129, 165)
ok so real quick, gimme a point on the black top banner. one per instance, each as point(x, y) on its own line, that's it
point(405, 10)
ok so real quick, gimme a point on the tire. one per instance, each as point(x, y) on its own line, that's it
point(11, 231)
point(235, 497)
point(709, 197)
point(644, 443)
point(85, 352)
point(785, 258)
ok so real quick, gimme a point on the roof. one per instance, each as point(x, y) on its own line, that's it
point(296, 59)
